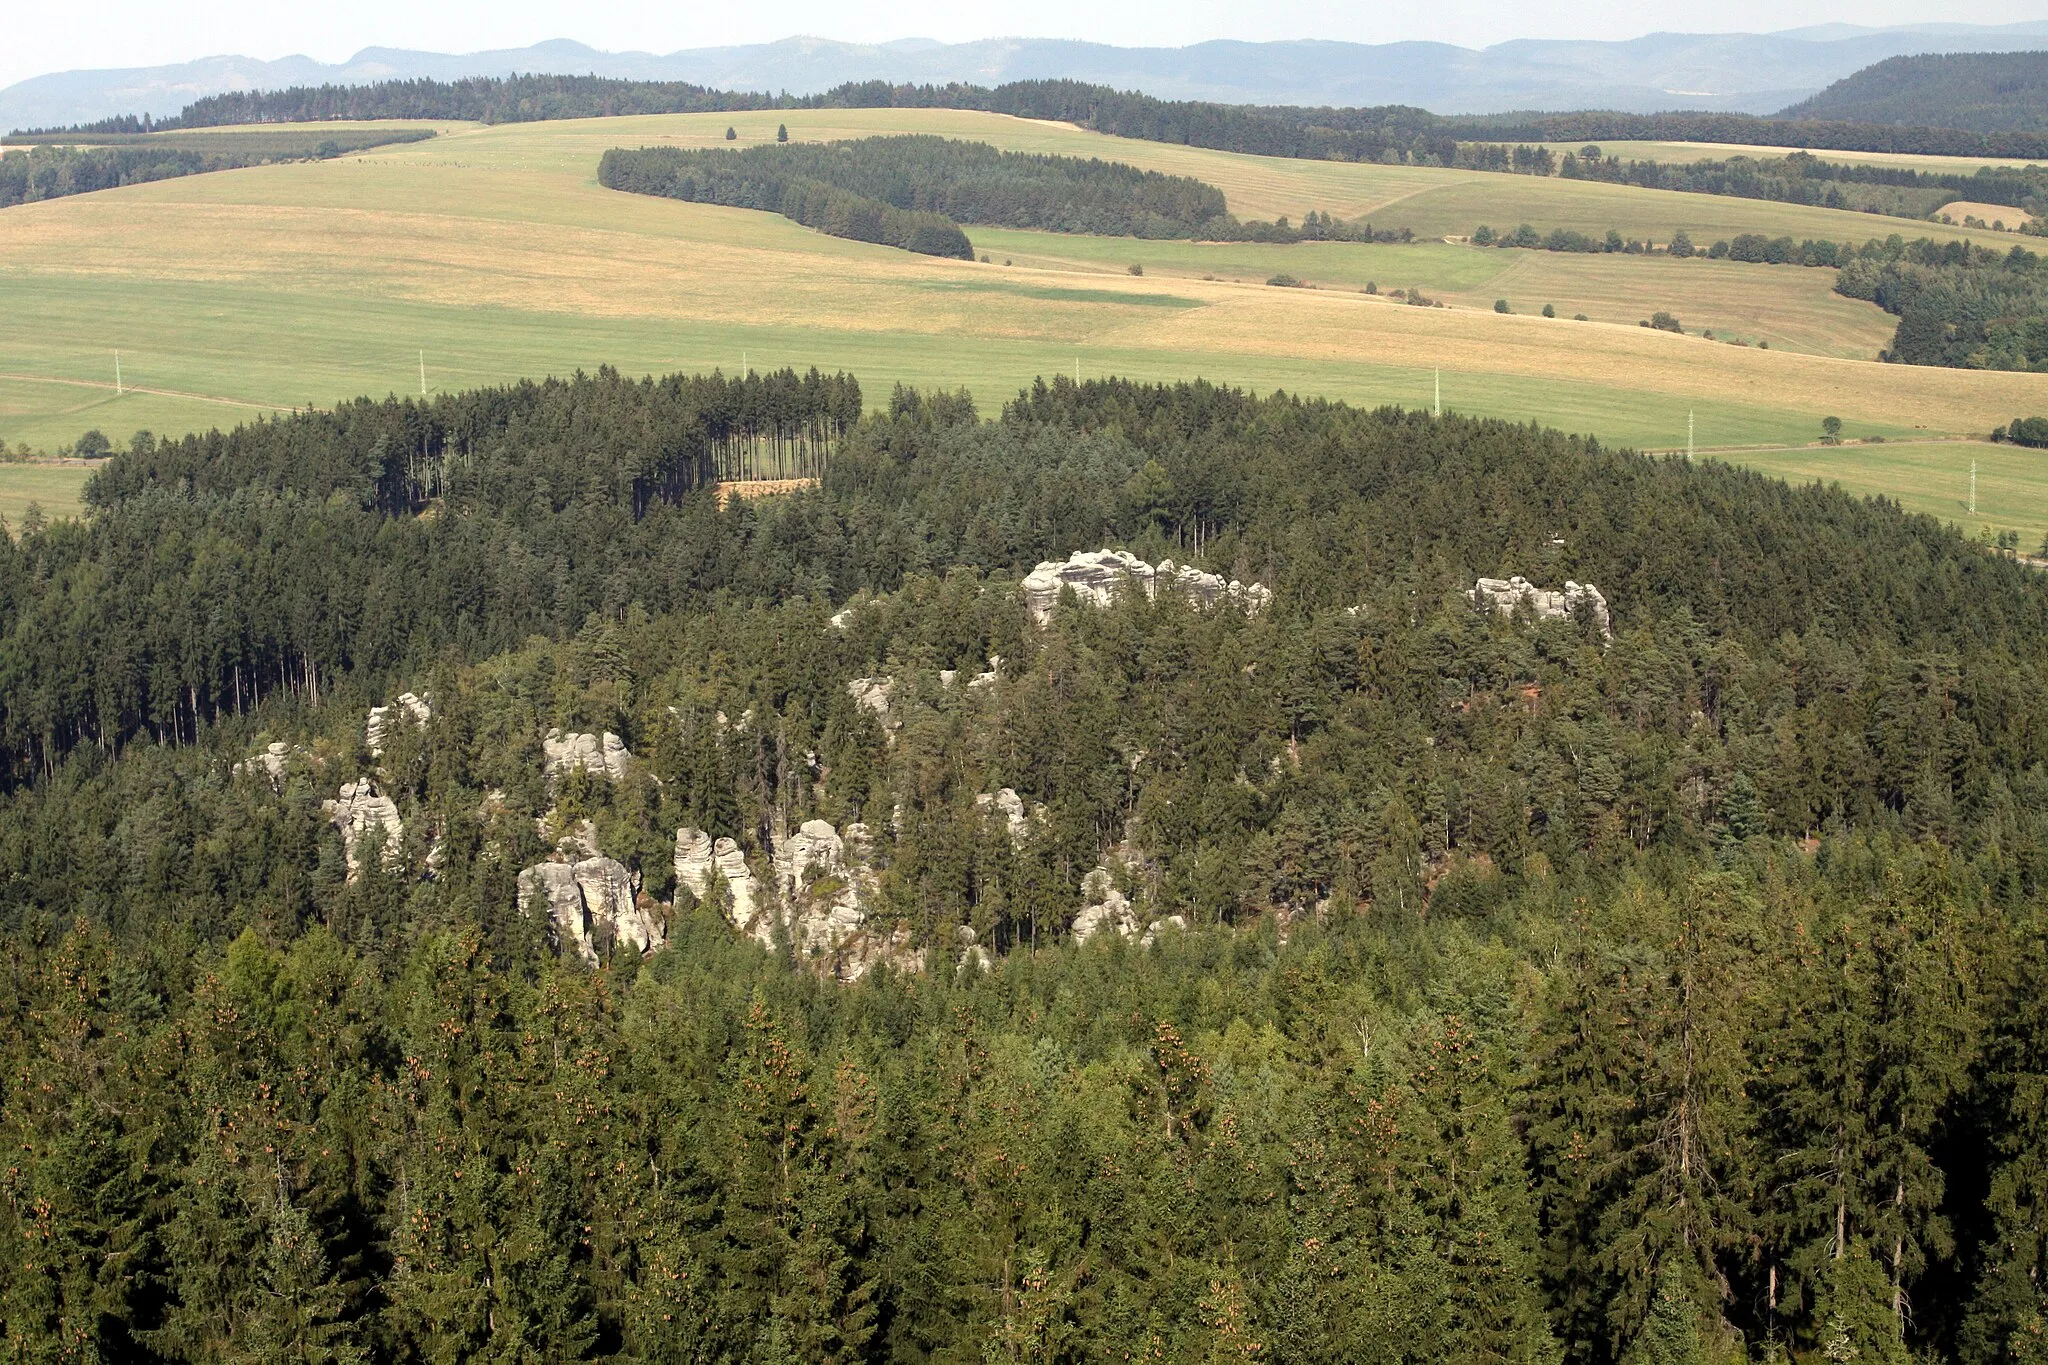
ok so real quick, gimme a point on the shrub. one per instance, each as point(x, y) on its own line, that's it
point(2024, 431)
point(1681, 245)
point(1137, 269)
point(1501, 306)
point(1663, 322)
point(1550, 310)
point(1284, 282)
point(1483, 236)
point(732, 134)
point(1580, 317)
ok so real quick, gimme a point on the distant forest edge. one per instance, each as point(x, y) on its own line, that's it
point(913, 191)
point(1985, 92)
point(1388, 132)
point(51, 172)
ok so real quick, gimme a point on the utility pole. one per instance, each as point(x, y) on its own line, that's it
point(1973, 488)
point(1437, 409)
point(423, 374)
point(117, 374)
point(1689, 449)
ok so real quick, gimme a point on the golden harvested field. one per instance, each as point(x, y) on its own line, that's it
point(1963, 210)
point(495, 252)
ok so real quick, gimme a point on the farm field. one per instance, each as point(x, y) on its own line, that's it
point(1785, 306)
point(494, 251)
point(1931, 477)
point(53, 487)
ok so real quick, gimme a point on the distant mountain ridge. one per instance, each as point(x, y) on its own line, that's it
point(1986, 92)
point(1746, 73)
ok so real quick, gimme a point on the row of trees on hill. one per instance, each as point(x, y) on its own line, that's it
point(1802, 178)
point(51, 172)
point(1540, 997)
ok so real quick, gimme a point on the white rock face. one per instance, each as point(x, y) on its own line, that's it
point(699, 859)
point(1504, 596)
point(557, 882)
point(356, 811)
point(382, 718)
point(1096, 576)
point(823, 894)
point(1106, 909)
point(1009, 808)
point(606, 755)
point(872, 694)
point(591, 899)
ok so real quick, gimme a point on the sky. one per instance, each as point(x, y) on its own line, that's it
point(39, 38)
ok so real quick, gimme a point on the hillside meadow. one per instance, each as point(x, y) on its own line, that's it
point(493, 251)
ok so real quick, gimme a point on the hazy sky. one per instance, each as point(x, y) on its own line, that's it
point(37, 38)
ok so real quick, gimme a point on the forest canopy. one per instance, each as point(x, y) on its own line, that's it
point(1360, 972)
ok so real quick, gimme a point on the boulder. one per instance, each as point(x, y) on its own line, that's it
point(358, 809)
point(1506, 596)
point(1096, 576)
point(382, 718)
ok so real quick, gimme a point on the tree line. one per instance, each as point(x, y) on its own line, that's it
point(1540, 998)
point(51, 172)
point(1803, 178)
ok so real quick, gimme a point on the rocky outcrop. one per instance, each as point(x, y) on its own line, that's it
point(382, 718)
point(358, 809)
point(1506, 596)
point(556, 882)
point(702, 862)
point(271, 763)
point(872, 694)
point(1007, 807)
point(1097, 576)
point(822, 892)
point(605, 755)
point(1177, 923)
point(1106, 908)
point(592, 901)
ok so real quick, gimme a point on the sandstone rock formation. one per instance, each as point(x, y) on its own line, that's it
point(1009, 808)
point(357, 810)
point(700, 859)
point(872, 694)
point(1504, 596)
point(592, 900)
point(1106, 908)
point(271, 763)
point(1097, 576)
point(606, 755)
point(382, 718)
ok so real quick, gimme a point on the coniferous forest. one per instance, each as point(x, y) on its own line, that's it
point(920, 968)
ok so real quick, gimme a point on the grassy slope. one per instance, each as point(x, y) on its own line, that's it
point(52, 487)
point(495, 251)
point(1931, 477)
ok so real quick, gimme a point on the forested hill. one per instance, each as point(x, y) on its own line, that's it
point(758, 930)
point(1986, 92)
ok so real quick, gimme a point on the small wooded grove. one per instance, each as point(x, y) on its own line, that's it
point(1541, 999)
